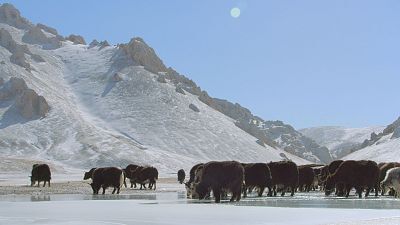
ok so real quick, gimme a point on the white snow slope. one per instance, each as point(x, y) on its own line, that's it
point(95, 121)
point(339, 140)
point(387, 149)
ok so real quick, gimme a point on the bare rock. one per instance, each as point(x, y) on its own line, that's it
point(260, 142)
point(47, 29)
point(161, 79)
point(35, 35)
point(94, 43)
point(37, 58)
point(116, 77)
point(43, 106)
point(194, 108)
point(144, 55)
point(76, 39)
point(180, 90)
point(396, 133)
point(18, 51)
point(103, 44)
point(15, 86)
point(18, 58)
point(30, 104)
point(205, 98)
point(7, 41)
point(11, 16)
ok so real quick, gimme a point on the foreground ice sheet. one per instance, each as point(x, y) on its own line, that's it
point(172, 212)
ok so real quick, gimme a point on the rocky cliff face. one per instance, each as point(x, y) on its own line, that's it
point(144, 55)
point(272, 133)
point(11, 16)
point(35, 35)
point(76, 39)
point(28, 103)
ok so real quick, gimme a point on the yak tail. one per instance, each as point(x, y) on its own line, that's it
point(121, 179)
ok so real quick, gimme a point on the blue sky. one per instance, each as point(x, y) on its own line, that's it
point(308, 63)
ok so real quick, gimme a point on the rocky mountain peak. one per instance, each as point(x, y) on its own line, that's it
point(11, 16)
point(138, 51)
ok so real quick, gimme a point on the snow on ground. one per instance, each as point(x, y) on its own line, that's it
point(385, 150)
point(340, 139)
point(96, 121)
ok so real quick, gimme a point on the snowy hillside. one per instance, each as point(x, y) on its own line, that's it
point(340, 140)
point(382, 147)
point(106, 108)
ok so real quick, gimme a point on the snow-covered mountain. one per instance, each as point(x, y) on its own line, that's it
point(381, 146)
point(340, 140)
point(109, 105)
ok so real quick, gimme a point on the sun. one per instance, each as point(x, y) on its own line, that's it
point(235, 12)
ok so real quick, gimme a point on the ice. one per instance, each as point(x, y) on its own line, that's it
point(172, 212)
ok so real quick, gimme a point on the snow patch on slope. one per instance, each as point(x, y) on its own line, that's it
point(340, 140)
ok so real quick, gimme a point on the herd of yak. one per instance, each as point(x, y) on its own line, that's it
point(231, 177)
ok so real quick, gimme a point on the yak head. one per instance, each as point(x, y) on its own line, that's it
point(329, 185)
point(190, 193)
point(181, 176)
point(88, 174)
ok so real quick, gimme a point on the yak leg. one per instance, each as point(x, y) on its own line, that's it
point(283, 191)
point(348, 191)
point(238, 194)
point(114, 190)
point(38, 183)
point(359, 191)
point(261, 191)
point(293, 190)
point(48, 182)
point(367, 191)
point(217, 194)
point(104, 190)
point(155, 185)
point(44, 183)
point(245, 191)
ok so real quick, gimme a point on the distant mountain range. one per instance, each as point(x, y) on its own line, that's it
point(340, 140)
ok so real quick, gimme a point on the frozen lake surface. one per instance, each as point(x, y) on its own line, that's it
point(168, 205)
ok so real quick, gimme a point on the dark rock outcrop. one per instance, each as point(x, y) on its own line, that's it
point(194, 108)
point(11, 16)
point(180, 90)
point(17, 51)
point(138, 51)
point(28, 103)
point(35, 35)
point(76, 39)
point(31, 105)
